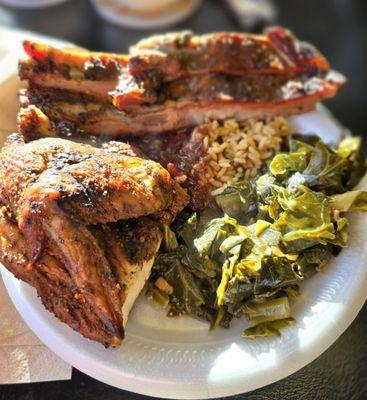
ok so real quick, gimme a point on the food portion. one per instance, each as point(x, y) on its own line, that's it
point(206, 180)
point(239, 150)
point(68, 114)
point(266, 234)
point(82, 225)
point(210, 157)
point(161, 59)
point(71, 69)
point(176, 81)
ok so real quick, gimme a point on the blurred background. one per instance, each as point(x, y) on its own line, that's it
point(337, 27)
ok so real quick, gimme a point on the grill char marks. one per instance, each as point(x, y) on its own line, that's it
point(129, 247)
point(76, 70)
point(72, 62)
point(54, 196)
point(180, 54)
point(166, 58)
point(176, 81)
point(94, 118)
point(57, 287)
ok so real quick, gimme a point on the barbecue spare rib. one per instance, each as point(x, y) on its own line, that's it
point(81, 224)
point(175, 81)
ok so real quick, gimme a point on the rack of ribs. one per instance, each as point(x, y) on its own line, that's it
point(176, 81)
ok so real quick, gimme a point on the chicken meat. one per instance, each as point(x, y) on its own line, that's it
point(82, 225)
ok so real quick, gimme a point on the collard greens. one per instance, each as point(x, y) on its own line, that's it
point(248, 255)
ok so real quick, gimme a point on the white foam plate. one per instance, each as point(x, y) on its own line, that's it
point(179, 358)
point(132, 21)
point(31, 3)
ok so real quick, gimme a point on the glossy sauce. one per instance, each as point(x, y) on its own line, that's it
point(185, 159)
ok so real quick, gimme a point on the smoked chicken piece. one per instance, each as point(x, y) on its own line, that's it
point(81, 225)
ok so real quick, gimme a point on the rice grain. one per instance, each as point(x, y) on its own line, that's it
point(238, 150)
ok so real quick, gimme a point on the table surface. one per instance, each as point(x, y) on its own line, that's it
point(339, 29)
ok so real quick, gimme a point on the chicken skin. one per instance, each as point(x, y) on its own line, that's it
point(60, 201)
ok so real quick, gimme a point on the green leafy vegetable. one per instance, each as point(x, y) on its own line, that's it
point(275, 274)
point(311, 261)
point(325, 170)
point(239, 291)
point(267, 311)
point(291, 162)
point(266, 329)
point(186, 293)
point(227, 272)
point(169, 239)
point(239, 201)
point(248, 255)
point(320, 167)
point(215, 231)
point(305, 217)
point(159, 296)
